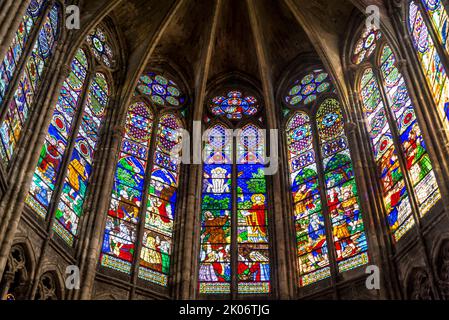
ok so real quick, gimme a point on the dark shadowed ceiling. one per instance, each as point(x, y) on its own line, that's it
point(180, 31)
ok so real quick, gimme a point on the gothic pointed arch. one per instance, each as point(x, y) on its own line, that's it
point(49, 287)
point(404, 169)
point(418, 285)
point(235, 244)
point(141, 219)
point(327, 214)
point(16, 280)
point(60, 184)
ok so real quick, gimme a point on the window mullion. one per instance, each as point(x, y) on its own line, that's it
point(70, 146)
point(324, 206)
point(234, 220)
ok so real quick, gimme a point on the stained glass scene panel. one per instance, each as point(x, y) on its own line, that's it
point(216, 212)
point(435, 72)
point(413, 145)
point(13, 55)
point(23, 100)
point(59, 132)
point(342, 196)
point(127, 194)
point(312, 250)
point(253, 270)
point(162, 194)
point(70, 206)
point(395, 194)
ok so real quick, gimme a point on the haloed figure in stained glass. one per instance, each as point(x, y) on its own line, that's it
point(234, 201)
point(145, 185)
point(395, 133)
point(76, 143)
point(328, 169)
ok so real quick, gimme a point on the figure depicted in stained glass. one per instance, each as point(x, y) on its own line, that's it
point(218, 214)
point(154, 93)
point(413, 149)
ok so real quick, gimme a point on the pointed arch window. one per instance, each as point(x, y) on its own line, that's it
point(405, 171)
point(327, 213)
point(140, 223)
point(16, 109)
point(428, 27)
point(235, 245)
point(60, 182)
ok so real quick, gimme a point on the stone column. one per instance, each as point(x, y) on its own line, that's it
point(187, 274)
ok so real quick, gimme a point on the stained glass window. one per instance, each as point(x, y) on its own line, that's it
point(312, 248)
point(341, 190)
point(146, 184)
point(239, 216)
point(438, 15)
point(74, 189)
point(366, 45)
point(234, 105)
point(305, 91)
point(395, 136)
point(15, 50)
point(30, 81)
point(432, 66)
point(127, 195)
point(101, 47)
point(60, 182)
point(162, 91)
point(216, 212)
point(334, 223)
point(62, 132)
point(414, 148)
point(395, 194)
point(161, 203)
point(57, 139)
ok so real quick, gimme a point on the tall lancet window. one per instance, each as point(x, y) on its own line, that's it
point(234, 252)
point(21, 76)
point(326, 208)
point(428, 26)
point(405, 171)
point(61, 179)
point(138, 237)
